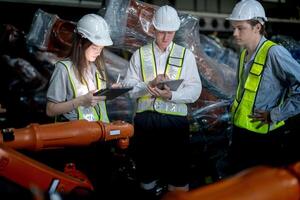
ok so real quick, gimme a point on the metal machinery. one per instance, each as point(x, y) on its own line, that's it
point(29, 173)
point(259, 183)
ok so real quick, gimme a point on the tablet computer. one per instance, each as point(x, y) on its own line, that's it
point(112, 93)
point(172, 84)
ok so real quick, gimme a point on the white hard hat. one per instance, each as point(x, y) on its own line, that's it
point(95, 29)
point(248, 9)
point(166, 19)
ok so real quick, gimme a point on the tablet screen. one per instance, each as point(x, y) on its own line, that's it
point(172, 84)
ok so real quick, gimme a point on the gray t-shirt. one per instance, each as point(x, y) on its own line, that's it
point(60, 88)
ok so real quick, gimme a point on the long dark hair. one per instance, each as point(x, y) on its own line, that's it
point(77, 56)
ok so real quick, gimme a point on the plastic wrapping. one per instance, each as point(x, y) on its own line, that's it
point(216, 51)
point(212, 120)
point(24, 88)
point(211, 114)
point(24, 71)
point(122, 107)
point(40, 30)
point(131, 27)
point(219, 79)
point(210, 139)
point(11, 40)
point(50, 33)
point(290, 44)
point(130, 23)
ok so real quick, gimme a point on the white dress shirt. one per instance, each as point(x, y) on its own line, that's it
point(188, 92)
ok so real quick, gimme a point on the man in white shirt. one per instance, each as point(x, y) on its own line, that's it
point(161, 124)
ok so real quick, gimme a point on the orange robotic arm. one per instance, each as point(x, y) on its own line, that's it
point(64, 134)
point(259, 183)
point(30, 173)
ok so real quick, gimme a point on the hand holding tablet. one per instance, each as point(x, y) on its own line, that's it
point(172, 84)
point(112, 93)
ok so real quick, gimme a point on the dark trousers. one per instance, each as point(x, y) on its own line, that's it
point(161, 143)
point(250, 149)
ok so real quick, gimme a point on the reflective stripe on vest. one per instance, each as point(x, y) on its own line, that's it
point(244, 102)
point(88, 113)
point(149, 72)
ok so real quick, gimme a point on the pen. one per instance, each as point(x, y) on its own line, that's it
point(118, 79)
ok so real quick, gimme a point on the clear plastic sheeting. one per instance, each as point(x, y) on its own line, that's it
point(218, 78)
point(39, 34)
point(131, 27)
point(48, 32)
point(24, 88)
point(211, 116)
point(290, 44)
point(11, 39)
point(130, 23)
point(219, 53)
point(210, 138)
point(26, 75)
point(122, 107)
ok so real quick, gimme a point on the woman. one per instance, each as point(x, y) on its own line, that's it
point(75, 79)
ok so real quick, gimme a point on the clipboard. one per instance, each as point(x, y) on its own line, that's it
point(172, 84)
point(112, 93)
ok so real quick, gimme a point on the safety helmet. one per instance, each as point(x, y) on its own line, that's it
point(95, 29)
point(248, 9)
point(166, 19)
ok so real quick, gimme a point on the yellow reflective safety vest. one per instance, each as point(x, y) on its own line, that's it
point(173, 69)
point(243, 104)
point(88, 113)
